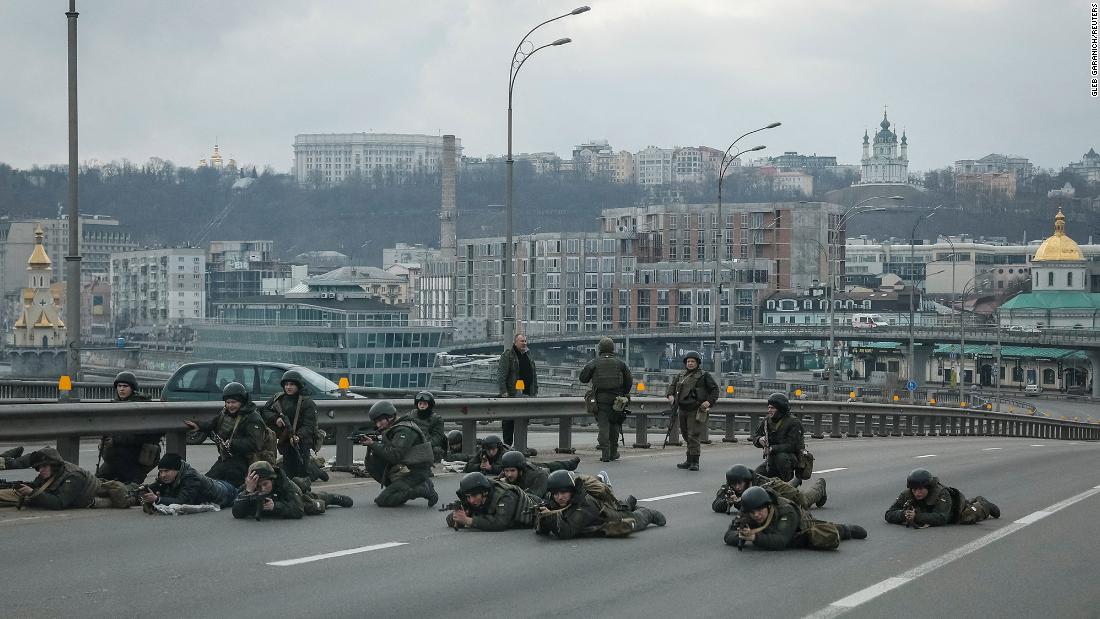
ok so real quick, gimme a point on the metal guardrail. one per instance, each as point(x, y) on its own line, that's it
point(46, 390)
point(68, 422)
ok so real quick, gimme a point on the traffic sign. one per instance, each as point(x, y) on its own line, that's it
point(911, 385)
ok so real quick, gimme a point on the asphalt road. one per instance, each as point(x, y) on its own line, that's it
point(100, 563)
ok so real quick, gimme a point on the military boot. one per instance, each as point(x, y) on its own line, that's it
point(686, 464)
point(851, 531)
point(815, 494)
point(694, 463)
point(615, 452)
point(993, 510)
point(14, 452)
point(341, 500)
point(631, 502)
point(571, 464)
point(427, 491)
point(644, 516)
point(605, 455)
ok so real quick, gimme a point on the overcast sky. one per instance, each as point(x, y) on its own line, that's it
point(963, 78)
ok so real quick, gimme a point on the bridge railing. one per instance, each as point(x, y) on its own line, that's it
point(47, 390)
point(68, 422)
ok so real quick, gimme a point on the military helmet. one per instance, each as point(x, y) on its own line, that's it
point(473, 483)
point(126, 378)
point(454, 437)
point(46, 455)
point(919, 478)
point(606, 345)
point(262, 469)
point(780, 402)
point(513, 460)
point(425, 396)
point(235, 391)
point(755, 498)
point(560, 480)
point(492, 441)
point(738, 473)
point(382, 408)
point(691, 354)
point(292, 376)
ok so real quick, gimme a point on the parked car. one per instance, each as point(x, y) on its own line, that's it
point(203, 381)
point(1032, 389)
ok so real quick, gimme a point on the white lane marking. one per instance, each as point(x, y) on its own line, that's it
point(333, 555)
point(43, 517)
point(842, 468)
point(667, 496)
point(845, 604)
point(1038, 445)
point(927, 456)
point(873, 591)
point(992, 448)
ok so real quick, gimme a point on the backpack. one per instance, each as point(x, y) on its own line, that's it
point(821, 535)
point(804, 468)
point(617, 520)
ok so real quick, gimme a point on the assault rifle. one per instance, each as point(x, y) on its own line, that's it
point(12, 485)
point(358, 436)
point(223, 447)
point(255, 502)
point(910, 504)
point(739, 523)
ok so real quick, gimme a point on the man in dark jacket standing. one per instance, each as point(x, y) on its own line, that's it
point(240, 434)
point(692, 393)
point(610, 379)
point(400, 459)
point(515, 365)
point(128, 458)
point(780, 436)
point(928, 503)
point(292, 415)
point(179, 483)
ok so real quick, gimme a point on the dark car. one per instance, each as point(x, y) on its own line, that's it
point(203, 381)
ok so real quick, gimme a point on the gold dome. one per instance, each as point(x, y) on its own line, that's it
point(1059, 248)
point(38, 258)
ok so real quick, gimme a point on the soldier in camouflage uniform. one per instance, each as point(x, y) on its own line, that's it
point(491, 505)
point(430, 423)
point(928, 503)
point(292, 415)
point(584, 506)
point(128, 457)
point(241, 428)
point(516, 470)
point(692, 393)
point(269, 493)
point(59, 485)
point(770, 522)
point(740, 478)
point(780, 435)
point(487, 458)
point(401, 461)
point(610, 379)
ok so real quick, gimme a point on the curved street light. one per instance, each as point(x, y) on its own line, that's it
point(519, 57)
point(719, 237)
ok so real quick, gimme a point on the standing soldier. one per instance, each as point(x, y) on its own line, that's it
point(239, 432)
point(400, 459)
point(780, 436)
point(128, 458)
point(491, 505)
point(516, 364)
point(740, 478)
point(611, 382)
point(692, 393)
point(292, 415)
point(928, 503)
point(430, 423)
point(770, 522)
point(585, 506)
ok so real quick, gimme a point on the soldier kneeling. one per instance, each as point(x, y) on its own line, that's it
point(491, 505)
point(771, 522)
point(585, 506)
point(928, 503)
point(740, 478)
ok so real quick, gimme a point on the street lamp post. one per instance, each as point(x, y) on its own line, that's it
point(719, 236)
point(519, 57)
point(73, 257)
point(912, 288)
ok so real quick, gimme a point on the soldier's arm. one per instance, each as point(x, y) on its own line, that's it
point(244, 505)
point(290, 505)
point(65, 496)
point(896, 513)
point(249, 439)
point(712, 388)
point(939, 515)
point(672, 386)
point(731, 536)
point(307, 425)
point(190, 488)
point(628, 379)
point(587, 371)
point(534, 379)
point(757, 433)
point(209, 425)
point(395, 448)
point(721, 504)
point(781, 532)
point(501, 519)
point(569, 523)
point(503, 372)
point(268, 412)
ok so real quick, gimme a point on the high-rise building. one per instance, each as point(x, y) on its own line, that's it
point(331, 158)
point(236, 269)
point(158, 286)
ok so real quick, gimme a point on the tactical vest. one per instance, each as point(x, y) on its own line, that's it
point(420, 453)
point(607, 374)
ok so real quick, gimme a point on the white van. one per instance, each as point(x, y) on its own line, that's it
point(867, 321)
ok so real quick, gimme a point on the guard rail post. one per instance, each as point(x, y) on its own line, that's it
point(754, 422)
point(834, 431)
point(519, 435)
point(897, 426)
point(641, 431)
point(731, 422)
point(469, 436)
point(868, 419)
point(176, 443)
point(565, 436)
point(817, 427)
point(852, 427)
point(909, 423)
point(69, 448)
point(344, 447)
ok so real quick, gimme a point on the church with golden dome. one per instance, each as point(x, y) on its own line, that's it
point(1059, 297)
point(39, 324)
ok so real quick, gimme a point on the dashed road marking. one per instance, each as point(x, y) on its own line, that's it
point(927, 456)
point(668, 496)
point(840, 468)
point(1038, 445)
point(992, 448)
point(338, 553)
point(866, 594)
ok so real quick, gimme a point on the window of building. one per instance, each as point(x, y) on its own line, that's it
point(1069, 279)
point(1050, 279)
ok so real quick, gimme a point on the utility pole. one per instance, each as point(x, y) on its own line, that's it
point(73, 257)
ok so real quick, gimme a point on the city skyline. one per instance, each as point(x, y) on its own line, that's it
point(250, 78)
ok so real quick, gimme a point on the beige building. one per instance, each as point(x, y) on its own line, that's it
point(158, 286)
point(39, 324)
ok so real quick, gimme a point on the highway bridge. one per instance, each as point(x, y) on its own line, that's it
point(404, 562)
